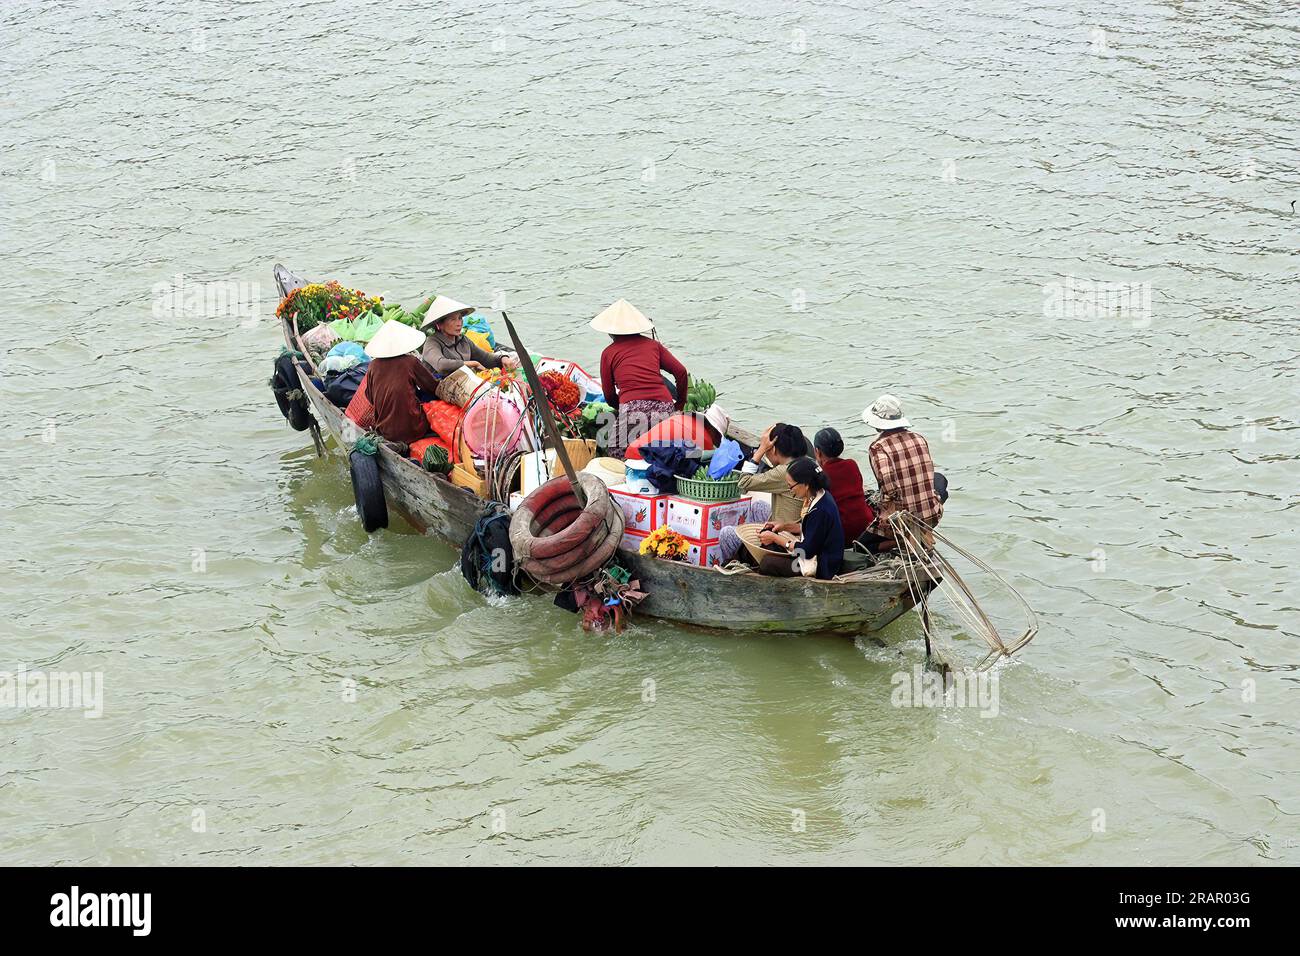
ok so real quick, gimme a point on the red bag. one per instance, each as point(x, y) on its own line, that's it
point(359, 409)
point(418, 447)
point(444, 418)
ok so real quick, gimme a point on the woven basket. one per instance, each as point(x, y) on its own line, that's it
point(726, 490)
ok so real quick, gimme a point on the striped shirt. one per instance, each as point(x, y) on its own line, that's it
point(901, 462)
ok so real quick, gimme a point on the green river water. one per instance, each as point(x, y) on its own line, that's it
point(817, 203)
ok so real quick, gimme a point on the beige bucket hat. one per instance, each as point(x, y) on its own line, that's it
point(443, 307)
point(611, 471)
point(622, 318)
point(886, 413)
point(394, 338)
point(717, 416)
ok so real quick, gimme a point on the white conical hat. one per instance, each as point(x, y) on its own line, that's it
point(622, 318)
point(393, 339)
point(442, 307)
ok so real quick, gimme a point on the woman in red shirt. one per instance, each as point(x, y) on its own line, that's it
point(630, 375)
point(846, 483)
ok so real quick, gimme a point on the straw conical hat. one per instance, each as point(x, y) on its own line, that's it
point(441, 307)
point(748, 534)
point(622, 318)
point(393, 339)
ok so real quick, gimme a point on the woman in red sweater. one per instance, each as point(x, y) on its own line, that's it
point(846, 483)
point(630, 375)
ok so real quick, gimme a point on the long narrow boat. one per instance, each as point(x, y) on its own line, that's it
point(678, 592)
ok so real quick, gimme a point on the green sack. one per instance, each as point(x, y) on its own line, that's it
point(362, 329)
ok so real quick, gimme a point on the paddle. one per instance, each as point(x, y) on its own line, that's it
point(544, 406)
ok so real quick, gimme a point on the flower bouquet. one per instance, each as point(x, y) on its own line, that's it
point(665, 543)
point(320, 302)
point(560, 391)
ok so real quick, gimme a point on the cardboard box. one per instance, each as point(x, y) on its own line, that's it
point(643, 513)
point(632, 540)
point(704, 520)
point(575, 373)
point(580, 452)
point(704, 553)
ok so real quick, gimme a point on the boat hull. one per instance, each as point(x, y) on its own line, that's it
point(683, 593)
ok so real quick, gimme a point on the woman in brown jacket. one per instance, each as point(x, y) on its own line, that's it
point(391, 380)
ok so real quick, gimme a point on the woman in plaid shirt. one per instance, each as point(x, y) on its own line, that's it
point(901, 461)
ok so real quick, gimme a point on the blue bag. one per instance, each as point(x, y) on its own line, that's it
point(726, 458)
point(350, 348)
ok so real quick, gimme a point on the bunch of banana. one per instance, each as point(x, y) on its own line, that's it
point(413, 318)
point(699, 395)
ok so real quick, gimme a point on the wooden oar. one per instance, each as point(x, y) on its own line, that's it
point(544, 406)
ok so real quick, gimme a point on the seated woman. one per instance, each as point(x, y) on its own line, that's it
point(779, 445)
point(391, 380)
point(817, 540)
point(846, 482)
point(630, 374)
point(448, 348)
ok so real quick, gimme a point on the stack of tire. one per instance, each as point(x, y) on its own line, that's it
point(557, 541)
point(288, 392)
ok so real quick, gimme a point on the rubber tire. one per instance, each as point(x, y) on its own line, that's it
point(582, 527)
point(560, 521)
point(299, 415)
point(580, 552)
point(546, 516)
point(368, 489)
point(577, 572)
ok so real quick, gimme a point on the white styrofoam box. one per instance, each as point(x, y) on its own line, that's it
point(641, 512)
point(704, 520)
point(535, 470)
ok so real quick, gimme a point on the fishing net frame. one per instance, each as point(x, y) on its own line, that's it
point(927, 571)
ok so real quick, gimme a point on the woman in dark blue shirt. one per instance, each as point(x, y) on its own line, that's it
point(820, 544)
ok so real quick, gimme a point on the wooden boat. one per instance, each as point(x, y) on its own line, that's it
point(678, 592)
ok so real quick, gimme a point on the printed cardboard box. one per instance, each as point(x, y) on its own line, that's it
point(632, 540)
point(642, 513)
point(704, 553)
point(704, 520)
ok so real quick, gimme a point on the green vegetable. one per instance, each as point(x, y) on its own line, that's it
point(591, 419)
point(702, 474)
point(437, 459)
point(699, 395)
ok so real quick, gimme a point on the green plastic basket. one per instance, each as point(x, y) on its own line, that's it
point(726, 490)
